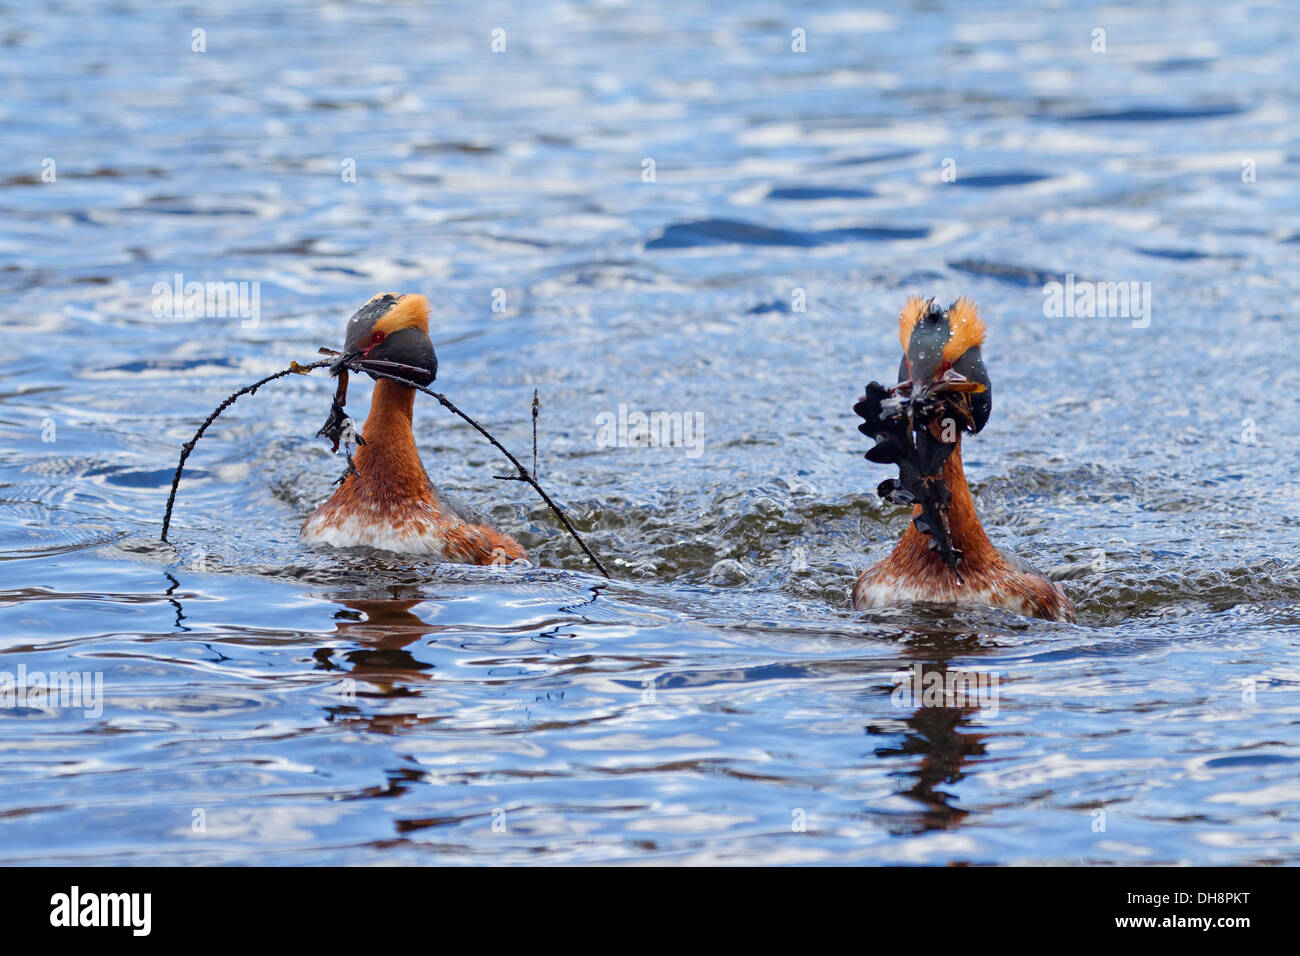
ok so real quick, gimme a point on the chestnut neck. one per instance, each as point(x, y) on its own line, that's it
point(392, 406)
point(389, 456)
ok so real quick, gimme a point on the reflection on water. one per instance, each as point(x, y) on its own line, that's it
point(938, 750)
point(383, 629)
point(717, 701)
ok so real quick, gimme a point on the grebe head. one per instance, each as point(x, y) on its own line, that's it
point(390, 333)
point(938, 342)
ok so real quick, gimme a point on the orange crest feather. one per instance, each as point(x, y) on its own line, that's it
point(967, 329)
point(912, 310)
point(408, 312)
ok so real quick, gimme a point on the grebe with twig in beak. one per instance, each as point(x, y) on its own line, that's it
point(386, 499)
point(944, 556)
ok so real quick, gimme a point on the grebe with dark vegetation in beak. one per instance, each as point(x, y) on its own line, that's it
point(944, 556)
point(386, 500)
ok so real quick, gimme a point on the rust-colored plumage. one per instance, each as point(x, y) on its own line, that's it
point(915, 572)
point(388, 501)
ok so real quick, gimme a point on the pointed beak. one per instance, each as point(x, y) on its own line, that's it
point(343, 362)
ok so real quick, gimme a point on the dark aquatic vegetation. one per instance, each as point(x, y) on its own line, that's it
point(909, 432)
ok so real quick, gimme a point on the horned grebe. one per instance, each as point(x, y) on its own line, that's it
point(944, 556)
point(387, 500)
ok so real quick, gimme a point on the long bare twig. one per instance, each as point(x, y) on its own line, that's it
point(524, 474)
point(293, 369)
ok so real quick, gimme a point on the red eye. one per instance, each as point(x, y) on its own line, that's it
point(376, 338)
